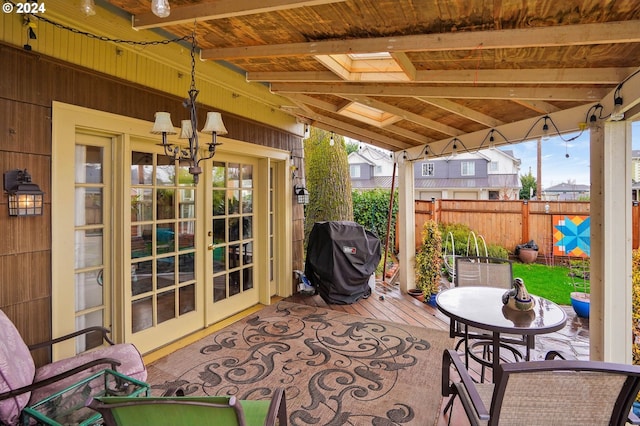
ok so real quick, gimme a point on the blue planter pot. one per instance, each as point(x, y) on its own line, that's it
point(432, 300)
point(636, 408)
point(580, 303)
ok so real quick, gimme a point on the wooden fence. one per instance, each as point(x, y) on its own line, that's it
point(508, 223)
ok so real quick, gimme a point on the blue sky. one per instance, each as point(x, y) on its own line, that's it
point(556, 167)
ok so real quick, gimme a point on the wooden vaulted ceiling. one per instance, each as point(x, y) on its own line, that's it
point(405, 73)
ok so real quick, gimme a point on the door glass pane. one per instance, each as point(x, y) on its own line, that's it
point(92, 340)
point(91, 199)
point(219, 287)
point(166, 171)
point(88, 289)
point(187, 296)
point(141, 277)
point(219, 259)
point(141, 204)
point(187, 205)
point(88, 248)
point(218, 174)
point(166, 272)
point(165, 200)
point(218, 202)
point(141, 314)
point(141, 241)
point(247, 176)
point(233, 202)
point(234, 283)
point(165, 238)
point(186, 267)
point(166, 306)
point(141, 168)
point(89, 164)
point(247, 201)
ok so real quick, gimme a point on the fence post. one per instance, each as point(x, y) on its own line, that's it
point(635, 225)
point(435, 210)
point(525, 221)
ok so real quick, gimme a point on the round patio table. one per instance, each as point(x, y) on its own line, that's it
point(482, 307)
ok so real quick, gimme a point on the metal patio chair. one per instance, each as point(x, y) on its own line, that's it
point(488, 272)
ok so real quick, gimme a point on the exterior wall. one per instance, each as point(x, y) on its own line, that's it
point(31, 82)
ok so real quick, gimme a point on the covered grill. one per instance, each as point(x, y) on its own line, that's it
point(341, 257)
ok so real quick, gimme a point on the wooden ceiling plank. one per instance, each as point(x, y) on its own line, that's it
point(587, 94)
point(407, 115)
point(463, 111)
point(219, 9)
point(561, 35)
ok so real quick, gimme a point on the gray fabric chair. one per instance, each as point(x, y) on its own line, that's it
point(558, 392)
point(488, 272)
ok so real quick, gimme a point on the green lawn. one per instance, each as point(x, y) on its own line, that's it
point(551, 282)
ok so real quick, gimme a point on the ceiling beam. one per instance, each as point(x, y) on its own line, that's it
point(560, 35)
point(219, 9)
point(453, 92)
point(540, 107)
point(607, 76)
point(462, 111)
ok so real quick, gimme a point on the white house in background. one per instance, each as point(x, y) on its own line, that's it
point(566, 191)
point(490, 174)
point(370, 168)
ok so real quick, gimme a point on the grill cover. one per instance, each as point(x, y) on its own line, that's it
point(341, 256)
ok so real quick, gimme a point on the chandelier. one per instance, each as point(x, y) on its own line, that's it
point(214, 126)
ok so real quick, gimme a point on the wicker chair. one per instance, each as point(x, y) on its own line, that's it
point(194, 410)
point(489, 272)
point(558, 392)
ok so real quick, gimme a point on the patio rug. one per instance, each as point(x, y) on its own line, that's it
point(335, 368)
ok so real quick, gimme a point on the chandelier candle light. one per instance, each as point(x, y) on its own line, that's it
point(213, 126)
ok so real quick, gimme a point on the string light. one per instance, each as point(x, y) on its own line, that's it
point(88, 7)
point(161, 8)
point(545, 130)
point(331, 141)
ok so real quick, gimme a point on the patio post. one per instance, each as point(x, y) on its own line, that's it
point(406, 223)
point(610, 328)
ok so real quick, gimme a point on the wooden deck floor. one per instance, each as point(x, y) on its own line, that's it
point(392, 305)
point(385, 304)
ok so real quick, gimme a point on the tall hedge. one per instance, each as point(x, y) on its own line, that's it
point(371, 210)
point(328, 181)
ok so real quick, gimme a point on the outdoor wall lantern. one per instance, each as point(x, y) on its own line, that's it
point(302, 194)
point(25, 197)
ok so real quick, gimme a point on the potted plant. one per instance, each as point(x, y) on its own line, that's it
point(580, 297)
point(429, 261)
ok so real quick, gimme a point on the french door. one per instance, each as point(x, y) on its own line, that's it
point(162, 295)
point(231, 241)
